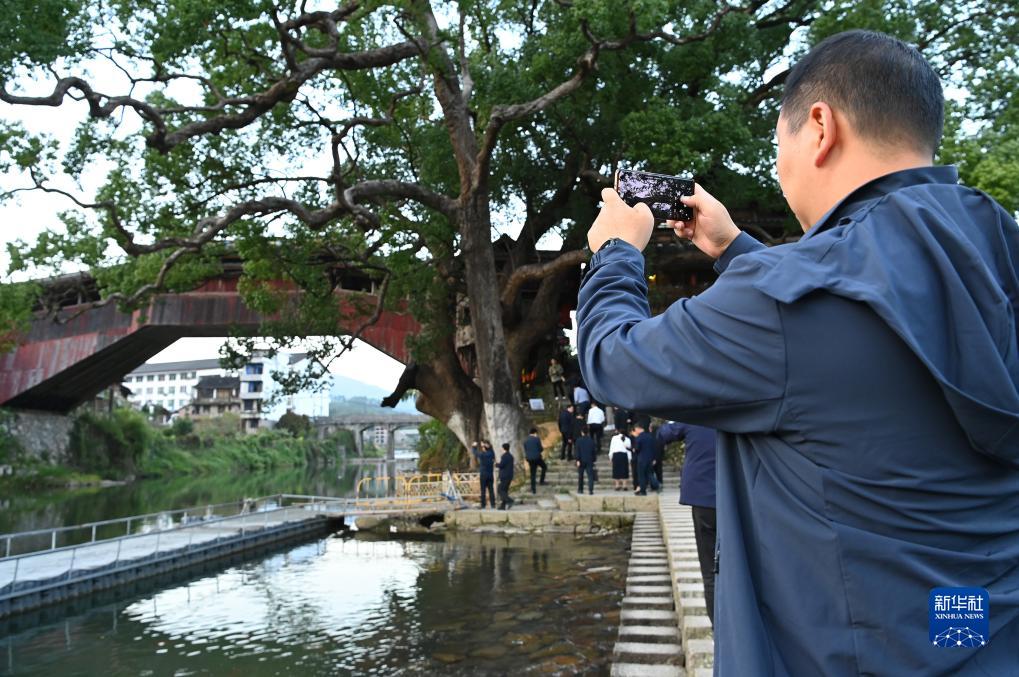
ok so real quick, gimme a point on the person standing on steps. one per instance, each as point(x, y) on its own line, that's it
point(596, 424)
point(644, 449)
point(505, 466)
point(586, 454)
point(619, 454)
point(581, 398)
point(556, 378)
point(659, 463)
point(486, 464)
point(621, 418)
point(566, 429)
point(532, 452)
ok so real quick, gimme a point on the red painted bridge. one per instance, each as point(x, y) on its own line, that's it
point(58, 366)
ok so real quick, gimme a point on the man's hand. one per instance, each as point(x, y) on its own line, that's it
point(711, 229)
point(618, 219)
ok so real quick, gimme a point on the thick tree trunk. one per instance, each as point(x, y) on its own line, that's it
point(504, 417)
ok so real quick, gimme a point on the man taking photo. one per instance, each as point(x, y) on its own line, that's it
point(864, 383)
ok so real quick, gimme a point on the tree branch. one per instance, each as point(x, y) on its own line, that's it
point(102, 106)
point(537, 271)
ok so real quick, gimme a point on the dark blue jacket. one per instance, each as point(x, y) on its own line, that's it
point(505, 466)
point(486, 462)
point(865, 385)
point(566, 423)
point(532, 448)
point(644, 447)
point(585, 450)
point(697, 483)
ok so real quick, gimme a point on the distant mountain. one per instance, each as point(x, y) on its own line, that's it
point(354, 396)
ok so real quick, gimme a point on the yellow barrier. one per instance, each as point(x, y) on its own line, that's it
point(405, 489)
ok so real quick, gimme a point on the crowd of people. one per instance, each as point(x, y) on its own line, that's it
point(636, 448)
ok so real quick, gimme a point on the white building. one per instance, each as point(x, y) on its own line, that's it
point(171, 385)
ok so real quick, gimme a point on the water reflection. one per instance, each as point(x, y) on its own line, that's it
point(466, 605)
point(41, 510)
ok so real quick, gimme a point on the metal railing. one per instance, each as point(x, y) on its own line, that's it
point(142, 537)
point(93, 532)
point(130, 549)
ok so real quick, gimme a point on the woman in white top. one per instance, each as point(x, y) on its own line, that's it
point(619, 452)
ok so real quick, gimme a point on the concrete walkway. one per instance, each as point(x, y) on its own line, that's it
point(687, 585)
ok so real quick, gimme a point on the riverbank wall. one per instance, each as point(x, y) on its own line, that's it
point(39, 435)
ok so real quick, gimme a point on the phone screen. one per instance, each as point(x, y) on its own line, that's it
point(660, 192)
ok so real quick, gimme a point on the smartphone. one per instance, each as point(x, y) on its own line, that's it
point(660, 192)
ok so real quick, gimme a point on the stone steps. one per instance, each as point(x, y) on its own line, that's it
point(649, 641)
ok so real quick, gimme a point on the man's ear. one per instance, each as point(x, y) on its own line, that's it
point(824, 131)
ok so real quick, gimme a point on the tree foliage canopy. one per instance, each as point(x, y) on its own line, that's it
point(309, 136)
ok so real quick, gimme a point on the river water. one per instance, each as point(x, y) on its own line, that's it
point(463, 605)
point(348, 604)
point(46, 509)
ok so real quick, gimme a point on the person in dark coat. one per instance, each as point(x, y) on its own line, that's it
point(532, 452)
point(566, 429)
point(621, 418)
point(644, 450)
point(505, 466)
point(486, 473)
point(697, 489)
point(864, 382)
point(658, 465)
point(586, 454)
point(634, 476)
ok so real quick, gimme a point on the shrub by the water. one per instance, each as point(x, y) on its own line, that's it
point(110, 445)
point(126, 444)
point(439, 449)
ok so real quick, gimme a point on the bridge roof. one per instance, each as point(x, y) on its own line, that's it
point(189, 365)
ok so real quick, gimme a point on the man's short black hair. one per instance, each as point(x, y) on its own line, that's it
point(885, 87)
point(534, 431)
point(505, 446)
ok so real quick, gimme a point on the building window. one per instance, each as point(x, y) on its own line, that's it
point(173, 377)
point(172, 390)
point(253, 423)
point(253, 369)
point(249, 405)
point(150, 377)
point(255, 387)
point(148, 391)
point(192, 375)
point(161, 377)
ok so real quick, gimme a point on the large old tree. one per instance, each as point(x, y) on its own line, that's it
point(399, 139)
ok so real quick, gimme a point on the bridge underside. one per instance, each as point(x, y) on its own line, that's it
point(59, 366)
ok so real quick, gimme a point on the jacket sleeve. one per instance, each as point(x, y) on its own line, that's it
point(717, 359)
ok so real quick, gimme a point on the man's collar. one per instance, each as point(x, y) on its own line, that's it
point(880, 187)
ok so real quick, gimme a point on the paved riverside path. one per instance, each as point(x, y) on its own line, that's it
point(687, 585)
point(649, 638)
point(48, 566)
